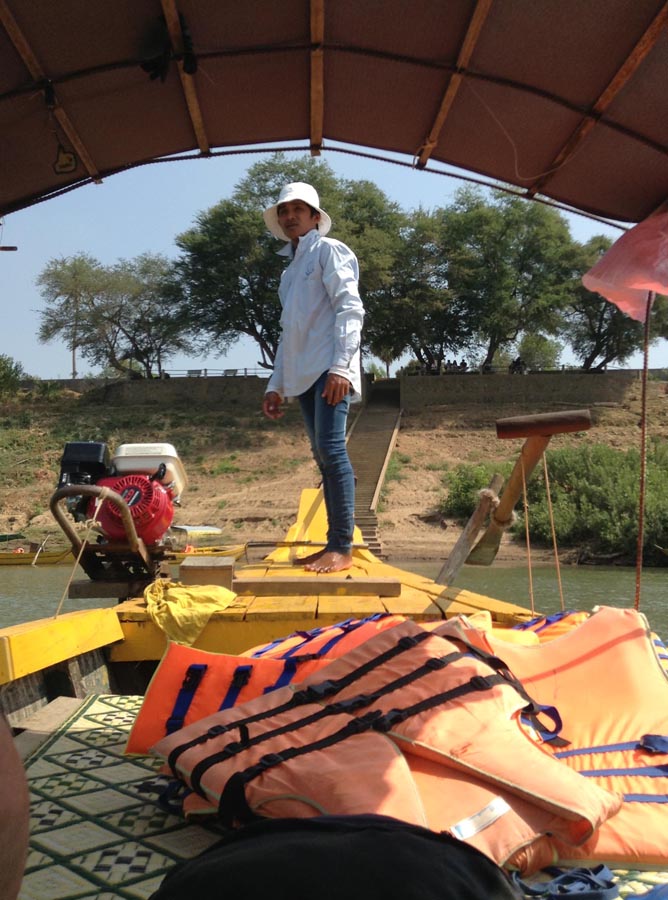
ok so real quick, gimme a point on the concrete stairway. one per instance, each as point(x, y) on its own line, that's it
point(369, 444)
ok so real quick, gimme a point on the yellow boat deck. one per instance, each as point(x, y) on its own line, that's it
point(276, 597)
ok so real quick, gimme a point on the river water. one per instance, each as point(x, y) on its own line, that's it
point(28, 593)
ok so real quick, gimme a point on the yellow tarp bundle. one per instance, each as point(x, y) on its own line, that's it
point(182, 610)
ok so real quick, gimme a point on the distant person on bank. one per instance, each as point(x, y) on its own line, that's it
point(318, 355)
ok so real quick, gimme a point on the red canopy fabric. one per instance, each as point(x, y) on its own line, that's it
point(634, 266)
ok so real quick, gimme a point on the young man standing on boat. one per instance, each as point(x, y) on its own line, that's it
point(318, 355)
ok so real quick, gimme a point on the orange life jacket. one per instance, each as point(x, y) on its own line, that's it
point(285, 768)
point(440, 701)
point(189, 684)
point(329, 641)
point(612, 692)
point(547, 628)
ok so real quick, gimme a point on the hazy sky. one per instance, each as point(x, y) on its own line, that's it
point(142, 211)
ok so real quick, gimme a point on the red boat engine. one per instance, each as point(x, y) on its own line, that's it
point(150, 504)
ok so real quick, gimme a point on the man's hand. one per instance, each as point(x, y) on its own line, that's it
point(336, 388)
point(271, 405)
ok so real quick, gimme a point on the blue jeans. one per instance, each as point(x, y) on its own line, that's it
point(326, 429)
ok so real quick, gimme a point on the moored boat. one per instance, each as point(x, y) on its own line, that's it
point(22, 557)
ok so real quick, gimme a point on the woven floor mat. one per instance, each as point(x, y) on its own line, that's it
point(97, 829)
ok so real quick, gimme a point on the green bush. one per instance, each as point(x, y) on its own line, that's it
point(11, 373)
point(595, 497)
point(464, 484)
point(594, 493)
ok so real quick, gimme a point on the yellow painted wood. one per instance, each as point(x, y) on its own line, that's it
point(453, 602)
point(33, 646)
point(292, 600)
point(277, 608)
point(286, 585)
point(142, 640)
point(45, 558)
point(335, 609)
point(254, 620)
point(420, 608)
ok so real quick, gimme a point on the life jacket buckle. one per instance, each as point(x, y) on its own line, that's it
point(271, 759)
point(216, 730)
point(193, 676)
point(241, 676)
point(406, 642)
point(435, 663)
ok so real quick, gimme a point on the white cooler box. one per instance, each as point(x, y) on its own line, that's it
point(146, 459)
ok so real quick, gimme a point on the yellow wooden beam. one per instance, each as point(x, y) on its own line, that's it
point(34, 646)
point(286, 585)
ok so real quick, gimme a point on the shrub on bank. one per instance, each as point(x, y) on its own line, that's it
point(595, 497)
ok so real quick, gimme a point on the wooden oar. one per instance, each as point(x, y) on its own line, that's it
point(537, 429)
point(462, 548)
point(39, 550)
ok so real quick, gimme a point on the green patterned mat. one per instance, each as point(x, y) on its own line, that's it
point(97, 830)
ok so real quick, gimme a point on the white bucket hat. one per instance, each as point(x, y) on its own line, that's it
point(298, 190)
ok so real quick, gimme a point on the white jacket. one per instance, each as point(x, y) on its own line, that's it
point(322, 316)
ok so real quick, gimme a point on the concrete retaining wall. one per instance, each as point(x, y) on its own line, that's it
point(535, 390)
point(203, 391)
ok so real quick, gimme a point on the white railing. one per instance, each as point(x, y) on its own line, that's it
point(216, 373)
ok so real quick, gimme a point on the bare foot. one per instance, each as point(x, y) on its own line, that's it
point(331, 561)
point(311, 558)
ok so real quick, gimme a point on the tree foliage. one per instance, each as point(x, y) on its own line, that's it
point(11, 373)
point(539, 352)
point(120, 317)
point(598, 331)
point(71, 287)
point(229, 270)
point(509, 264)
point(486, 277)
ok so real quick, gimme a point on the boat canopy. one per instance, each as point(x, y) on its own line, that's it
point(563, 100)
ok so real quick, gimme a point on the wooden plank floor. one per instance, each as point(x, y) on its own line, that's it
point(278, 598)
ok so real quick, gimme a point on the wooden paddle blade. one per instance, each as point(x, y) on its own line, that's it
point(462, 548)
point(485, 551)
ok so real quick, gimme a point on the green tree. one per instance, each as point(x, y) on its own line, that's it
point(229, 270)
point(134, 325)
point(416, 310)
point(70, 286)
point(228, 274)
point(539, 352)
point(11, 373)
point(509, 265)
point(120, 316)
point(599, 332)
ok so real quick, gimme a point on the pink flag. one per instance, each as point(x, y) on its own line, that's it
point(635, 264)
